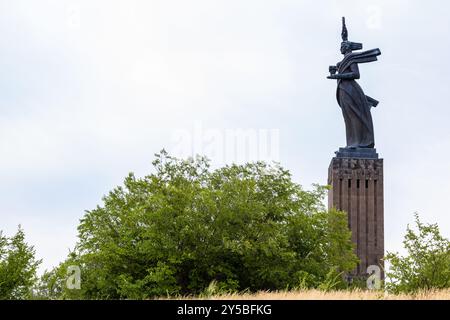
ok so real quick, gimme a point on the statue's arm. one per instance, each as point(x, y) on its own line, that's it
point(353, 74)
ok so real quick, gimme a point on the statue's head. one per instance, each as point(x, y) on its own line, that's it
point(345, 47)
point(348, 46)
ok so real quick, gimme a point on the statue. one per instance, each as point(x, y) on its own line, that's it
point(355, 105)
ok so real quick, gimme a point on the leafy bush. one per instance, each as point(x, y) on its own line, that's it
point(17, 267)
point(186, 226)
point(427, 265)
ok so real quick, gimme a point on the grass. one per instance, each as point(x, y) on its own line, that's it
point(330, 295)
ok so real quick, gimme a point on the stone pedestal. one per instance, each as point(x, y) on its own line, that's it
point(356, 180)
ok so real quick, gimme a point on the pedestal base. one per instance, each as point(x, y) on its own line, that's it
point(357, 188)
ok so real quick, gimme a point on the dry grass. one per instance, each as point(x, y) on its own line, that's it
point(333, 295)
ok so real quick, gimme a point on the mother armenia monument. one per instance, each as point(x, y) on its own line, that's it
point(356, 173)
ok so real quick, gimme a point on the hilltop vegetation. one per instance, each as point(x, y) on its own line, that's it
point(177, 230)
point(189, 230)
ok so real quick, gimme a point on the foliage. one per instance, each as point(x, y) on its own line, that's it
point(427, 265)
point(17, 267)
point(188, 229)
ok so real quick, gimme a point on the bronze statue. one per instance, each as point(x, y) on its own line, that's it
point(354, 103)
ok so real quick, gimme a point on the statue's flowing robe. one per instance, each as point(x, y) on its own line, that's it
point(355, 104)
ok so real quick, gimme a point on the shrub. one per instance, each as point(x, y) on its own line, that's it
point(427, 263)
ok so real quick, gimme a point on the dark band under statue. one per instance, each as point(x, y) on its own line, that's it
point(354, 103)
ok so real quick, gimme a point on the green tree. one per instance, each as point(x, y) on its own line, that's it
point(186, 226)
point(17, 267)
point(427, 264)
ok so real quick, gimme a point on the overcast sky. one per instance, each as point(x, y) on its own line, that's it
point(90, 90)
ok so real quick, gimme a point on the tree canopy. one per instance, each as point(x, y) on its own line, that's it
point(184, 226)
point(427, 263)
point(17, 267)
